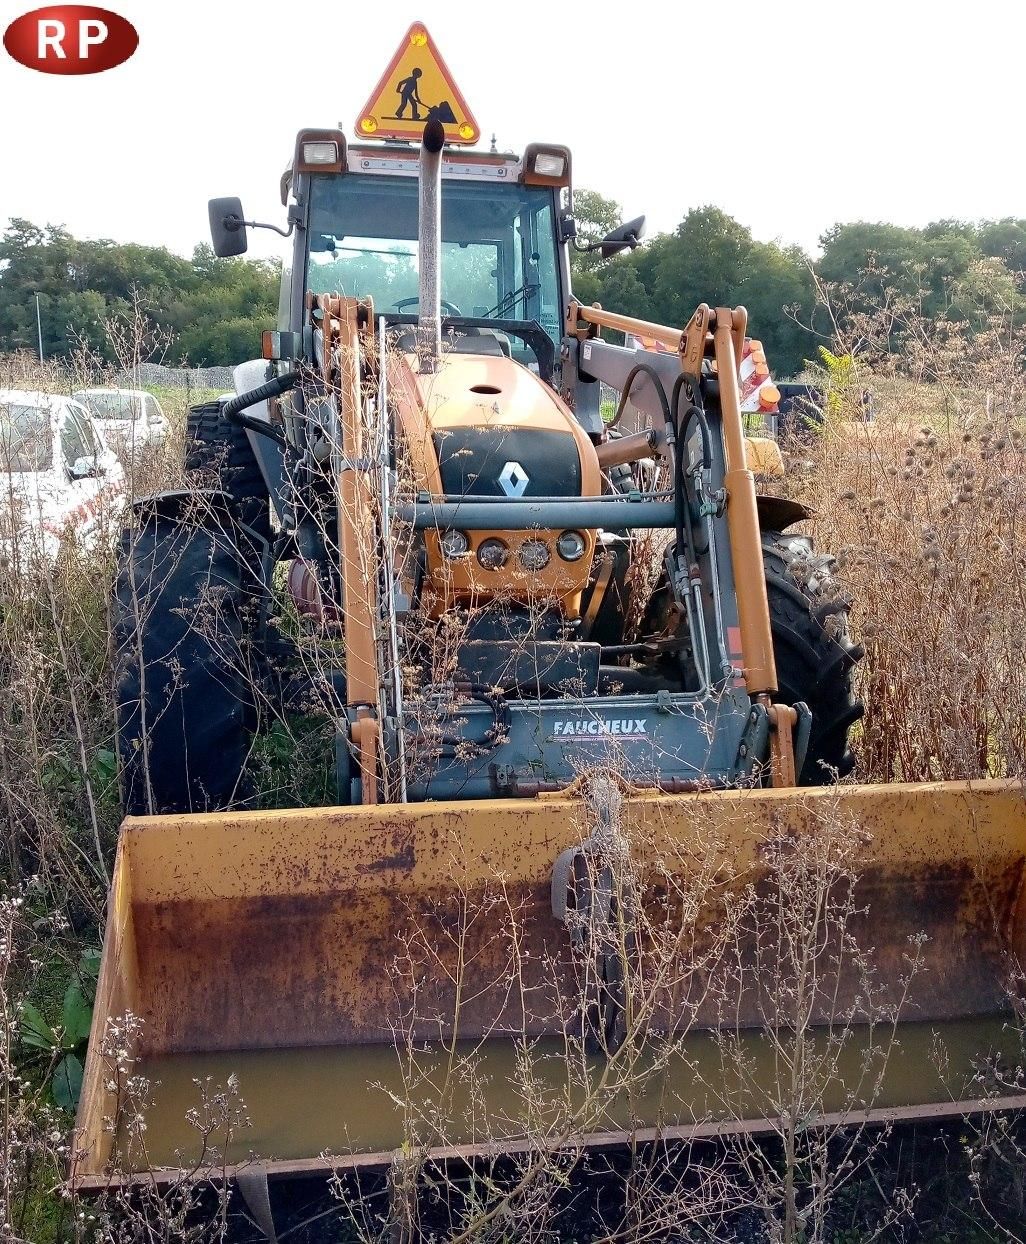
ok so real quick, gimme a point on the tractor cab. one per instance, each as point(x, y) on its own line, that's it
point(505, 224)
point(504, 280)
point(449, 250)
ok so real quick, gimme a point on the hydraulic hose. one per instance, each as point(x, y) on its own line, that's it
point(685, 534)
point(641, 369)
point(232, 409)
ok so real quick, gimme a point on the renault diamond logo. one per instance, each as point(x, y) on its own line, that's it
point(513, 479)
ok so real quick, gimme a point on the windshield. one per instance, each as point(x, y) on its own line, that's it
point(26, 438)
point(498, 247)
point(123, 407)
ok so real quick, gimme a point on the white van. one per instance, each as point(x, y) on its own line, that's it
point(130, 419)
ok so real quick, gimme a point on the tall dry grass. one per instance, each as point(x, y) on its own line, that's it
point(59, 801)
point(925, 510)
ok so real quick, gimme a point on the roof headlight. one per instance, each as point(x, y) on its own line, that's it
point(548, 164)
point(320, 153)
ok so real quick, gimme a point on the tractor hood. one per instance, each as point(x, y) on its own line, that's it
point(487, 427)
point(478, 415)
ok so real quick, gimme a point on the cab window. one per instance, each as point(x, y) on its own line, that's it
point(499, 249)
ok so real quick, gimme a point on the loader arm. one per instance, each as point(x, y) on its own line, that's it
point(718, 335)
point(341, 320)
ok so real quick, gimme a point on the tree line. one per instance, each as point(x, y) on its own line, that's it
point(211, 311)
point(960, 272)
point(207, 311)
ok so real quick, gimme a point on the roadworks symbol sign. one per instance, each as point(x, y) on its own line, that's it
point(417, 86)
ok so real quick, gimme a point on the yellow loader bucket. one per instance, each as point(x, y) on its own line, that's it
point(567, 969)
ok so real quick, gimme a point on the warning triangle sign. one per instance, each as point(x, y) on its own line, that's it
point(417, 86)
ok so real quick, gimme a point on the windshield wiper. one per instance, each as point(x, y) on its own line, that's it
point(510, 301)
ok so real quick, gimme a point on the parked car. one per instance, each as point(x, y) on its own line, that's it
point(58, 476)
point(130, 419)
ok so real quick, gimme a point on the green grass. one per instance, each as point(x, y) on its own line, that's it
point(173, 396)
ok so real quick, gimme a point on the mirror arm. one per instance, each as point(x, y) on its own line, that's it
point(233, 224)
point(631, 242)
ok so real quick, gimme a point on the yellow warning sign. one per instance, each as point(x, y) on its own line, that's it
point(415, 87)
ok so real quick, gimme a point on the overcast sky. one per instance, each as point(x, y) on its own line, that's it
point(789, 115)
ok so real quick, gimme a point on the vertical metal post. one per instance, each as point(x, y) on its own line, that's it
point(39, 329)
point(429, 326)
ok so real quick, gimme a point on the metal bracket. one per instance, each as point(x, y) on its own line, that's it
point(252, 1185)
point(592, 894)
point(583, 392)
point(754, 745)
point(802, 734)
point(783, 719)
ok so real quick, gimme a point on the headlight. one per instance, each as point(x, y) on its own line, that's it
point(548, 164)
point(571, 545)
point(493, 554)
point(320, 153)
point(534, 555)
point(454, 544)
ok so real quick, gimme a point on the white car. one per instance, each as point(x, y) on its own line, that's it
point(58, 477)
point(130, 419)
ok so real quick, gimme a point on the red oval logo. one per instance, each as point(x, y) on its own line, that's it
point(70, 38)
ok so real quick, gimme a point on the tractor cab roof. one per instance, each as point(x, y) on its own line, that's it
point(327, 151)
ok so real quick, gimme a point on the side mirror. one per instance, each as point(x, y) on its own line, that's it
point(227, 227)
point(85, 468)
point(623, 237)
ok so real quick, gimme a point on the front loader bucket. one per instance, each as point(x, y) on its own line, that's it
point(457, 977)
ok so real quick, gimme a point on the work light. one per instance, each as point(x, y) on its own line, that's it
point(534, 555)
point(454, 544)
point(493, 553)
point(571, 545)
point(548, 164)
point(320, 153)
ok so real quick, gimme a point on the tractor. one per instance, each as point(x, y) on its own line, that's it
point(575, 665)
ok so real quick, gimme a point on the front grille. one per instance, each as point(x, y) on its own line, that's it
point(474, 461)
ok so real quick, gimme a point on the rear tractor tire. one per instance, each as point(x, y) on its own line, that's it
point(218, 455)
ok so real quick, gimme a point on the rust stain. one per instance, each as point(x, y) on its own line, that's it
point(405, 859)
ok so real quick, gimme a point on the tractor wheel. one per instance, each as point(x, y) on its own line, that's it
point(218, 455)
point(186, 708)
point(814, 653)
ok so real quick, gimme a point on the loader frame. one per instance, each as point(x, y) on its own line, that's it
point(719, 736)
